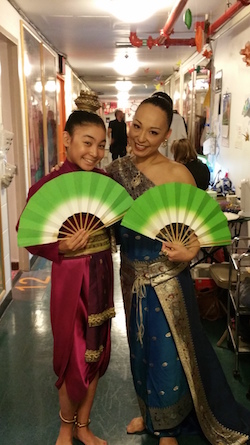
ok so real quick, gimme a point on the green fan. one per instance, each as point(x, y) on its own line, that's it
point(69, 202)
point(174, 212)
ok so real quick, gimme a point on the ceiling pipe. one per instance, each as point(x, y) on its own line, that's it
point(134, 40)
point(179, 42)
point(230, 12)
point(173, 17)
point(165, 32)
point(150, 42)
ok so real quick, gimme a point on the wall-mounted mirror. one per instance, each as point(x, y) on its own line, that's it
point(39, 70)
point(188, 102)
point(196, 103)
point(202, 107)
point(31, 47)
point(50, 109)
point(177, 94)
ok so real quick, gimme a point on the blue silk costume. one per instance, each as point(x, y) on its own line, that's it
point(178, 379)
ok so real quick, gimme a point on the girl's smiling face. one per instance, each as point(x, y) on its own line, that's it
point(148, 130)
point(86, 146)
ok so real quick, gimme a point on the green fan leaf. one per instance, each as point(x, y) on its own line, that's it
point(93, 195)
point(172, 211)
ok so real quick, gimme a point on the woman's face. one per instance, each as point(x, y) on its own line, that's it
point(148, 130)
point(86, 147)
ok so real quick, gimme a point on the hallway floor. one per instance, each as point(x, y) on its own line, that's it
point(28, 398)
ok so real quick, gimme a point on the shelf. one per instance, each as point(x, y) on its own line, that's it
point(242, 310)
point(239, 269)
point(243, 347)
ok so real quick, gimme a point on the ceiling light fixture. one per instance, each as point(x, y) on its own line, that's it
point(131, 11)
point(123, 85)
point(123, 98)
point(123, 95)
point(126, 64)
point(38, 87)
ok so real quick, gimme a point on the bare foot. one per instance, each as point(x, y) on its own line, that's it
point(136, 425)
point(63, 441)
point(65, 435)
point(168, 441)
point(86, 436)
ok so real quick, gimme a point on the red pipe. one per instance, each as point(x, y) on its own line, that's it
point(150, 42)
point(179, 42)
point(164, 39)
point(134, 40)
point(230, 12)
point(173, 17)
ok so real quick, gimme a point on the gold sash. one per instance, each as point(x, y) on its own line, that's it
point(96, 243)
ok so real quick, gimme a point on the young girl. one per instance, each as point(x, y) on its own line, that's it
point(81, 351)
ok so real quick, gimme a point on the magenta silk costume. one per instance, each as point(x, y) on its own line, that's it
point(81, 305)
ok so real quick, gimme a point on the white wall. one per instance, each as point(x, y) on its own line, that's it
point(9, 27)
point(236, 80)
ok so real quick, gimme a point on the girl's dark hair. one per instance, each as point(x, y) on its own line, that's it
point(163, 101)
point(83, 117)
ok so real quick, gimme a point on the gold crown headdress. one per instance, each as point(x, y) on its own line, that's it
point(88, 100)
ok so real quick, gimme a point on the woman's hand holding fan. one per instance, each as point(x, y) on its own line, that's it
point(178, 252)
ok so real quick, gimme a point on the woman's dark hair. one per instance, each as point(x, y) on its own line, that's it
point(163, 101)
point(83, 117)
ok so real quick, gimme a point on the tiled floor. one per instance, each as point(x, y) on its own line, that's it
point(28, 397)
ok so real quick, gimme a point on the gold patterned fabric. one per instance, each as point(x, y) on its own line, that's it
point(171, 299)
point(99, 319)
point(93, 356)
point(98, 242)
point(142, 273)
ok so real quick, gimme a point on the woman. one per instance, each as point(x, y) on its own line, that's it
point(186, 154)
point(178, 380)
point(81, 306)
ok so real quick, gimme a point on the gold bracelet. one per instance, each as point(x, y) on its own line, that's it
point(82, 425)
point(65, 420)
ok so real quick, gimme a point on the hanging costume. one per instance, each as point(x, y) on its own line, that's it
point(179, 382)
point(81, 305)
